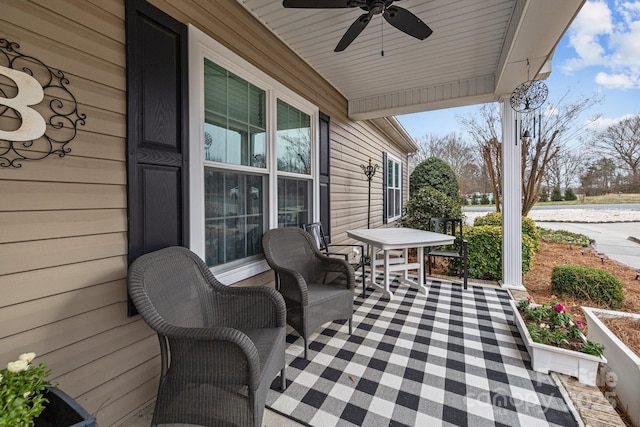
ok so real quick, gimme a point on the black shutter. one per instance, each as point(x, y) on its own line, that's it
point(324, 166)
point(157, 130)
point(384, 188)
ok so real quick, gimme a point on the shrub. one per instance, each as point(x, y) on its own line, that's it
point(429, 203)
point(564, 236)
point(587, 283)
point(556, 194)
point(529, 227)
point(436, 173)
point(485, 252)
point(484, 199)
point(569, 194)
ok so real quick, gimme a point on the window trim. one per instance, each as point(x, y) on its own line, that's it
point(399, 187)
point(200, 46)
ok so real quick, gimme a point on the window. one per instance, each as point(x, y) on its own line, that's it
point(393, 188)
point(252, 156)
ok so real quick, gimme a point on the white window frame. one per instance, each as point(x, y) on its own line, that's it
point(202, 46)
point(398, 187)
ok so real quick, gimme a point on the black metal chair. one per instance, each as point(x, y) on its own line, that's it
point(453, 227)
point(220, 346)
point(317, 288)
point(316, 231)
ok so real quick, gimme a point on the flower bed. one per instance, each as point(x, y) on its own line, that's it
point(623, 363)
point(556, 344)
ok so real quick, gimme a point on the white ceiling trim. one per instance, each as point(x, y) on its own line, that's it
point(458, 93)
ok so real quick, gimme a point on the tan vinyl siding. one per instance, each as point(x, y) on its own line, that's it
point(63, 221)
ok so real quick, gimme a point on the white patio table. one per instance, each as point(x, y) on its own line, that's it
point(389, 239)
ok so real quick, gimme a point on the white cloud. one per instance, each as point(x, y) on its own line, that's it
point(593, 21)
point(608, 39)
point(601, 123)
point(617, 81)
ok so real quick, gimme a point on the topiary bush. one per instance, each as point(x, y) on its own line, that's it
point(436, 173)
point(429, 203)
point(587, 283)
point(529, 227)
point(484, 243)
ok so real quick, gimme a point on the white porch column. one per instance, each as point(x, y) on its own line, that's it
point(511, 198)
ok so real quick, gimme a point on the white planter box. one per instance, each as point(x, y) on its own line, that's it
point(623, 362)
point(545, 358)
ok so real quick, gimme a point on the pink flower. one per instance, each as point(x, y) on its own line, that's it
point(529, 298)
point(579, 323)
point(559, 308)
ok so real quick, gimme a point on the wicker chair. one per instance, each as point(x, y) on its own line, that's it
point(317, 288)
point(221, 347)
point(453, 227)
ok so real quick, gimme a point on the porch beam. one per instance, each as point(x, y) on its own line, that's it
point(476, 90)
point(511, 198)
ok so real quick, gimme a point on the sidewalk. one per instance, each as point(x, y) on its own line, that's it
point(619, 241)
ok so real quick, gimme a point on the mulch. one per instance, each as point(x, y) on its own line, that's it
point(538, 284)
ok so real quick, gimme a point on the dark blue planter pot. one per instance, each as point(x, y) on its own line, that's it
point(63, 411)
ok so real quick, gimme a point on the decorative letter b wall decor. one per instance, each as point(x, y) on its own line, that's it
point(38, 114)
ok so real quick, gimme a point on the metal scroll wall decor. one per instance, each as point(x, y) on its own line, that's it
point(28, 133)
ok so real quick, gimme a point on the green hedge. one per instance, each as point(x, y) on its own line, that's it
point(587, 283)
point(485, 252)
point(529, 227)
point(436, 173)
point(429, 203)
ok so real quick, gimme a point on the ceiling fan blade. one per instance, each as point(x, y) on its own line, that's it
point(354, 30)
point(407, 22)
point(322, 4)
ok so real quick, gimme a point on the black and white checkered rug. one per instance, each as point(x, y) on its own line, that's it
point(448, 358)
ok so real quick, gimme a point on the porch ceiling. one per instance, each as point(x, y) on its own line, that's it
point(477, 52)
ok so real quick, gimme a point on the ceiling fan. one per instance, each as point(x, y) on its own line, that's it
point(400, 18)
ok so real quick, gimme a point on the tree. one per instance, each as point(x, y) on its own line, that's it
point(556, 194)
point(451, 148)
point(544, 194)
point(599, 176)
point(435, 173)
point(485, 130)
point(461, 155)
point(621, 141)
point(551, 132)
point(564, 168)
point(569, 194)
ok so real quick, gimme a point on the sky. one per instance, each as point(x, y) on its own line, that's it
point(599, 54)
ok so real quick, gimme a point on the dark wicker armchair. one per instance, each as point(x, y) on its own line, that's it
point(317, 288)
point(221, 347)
